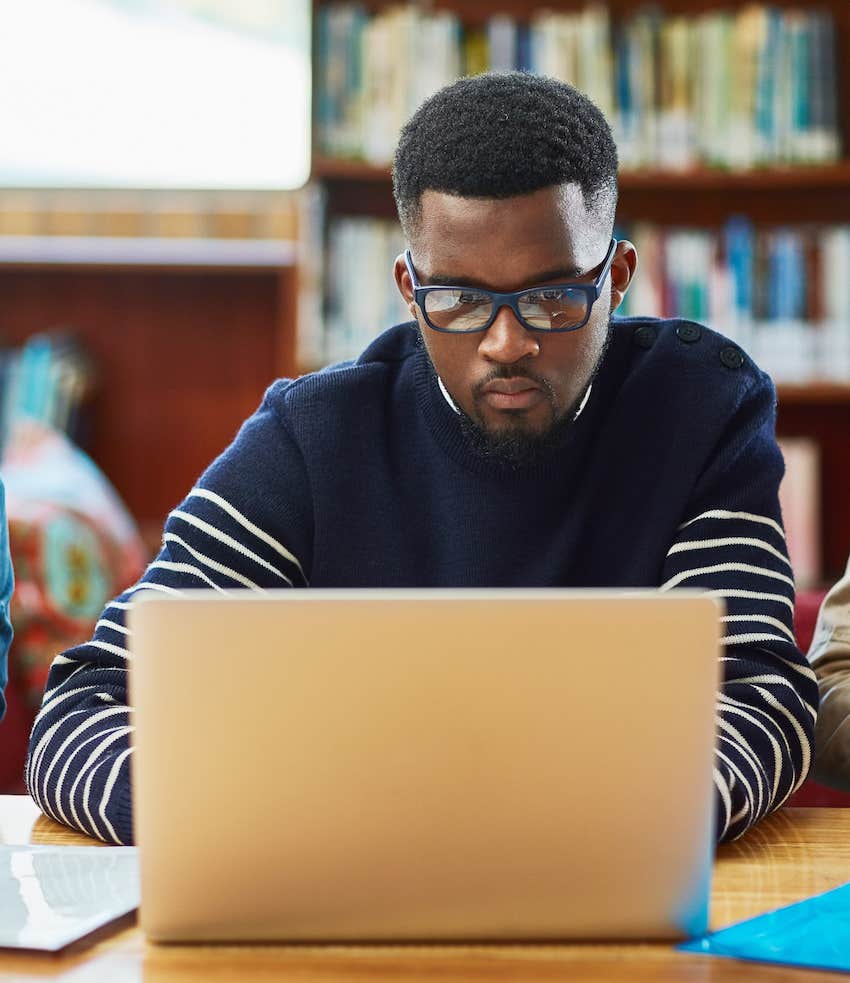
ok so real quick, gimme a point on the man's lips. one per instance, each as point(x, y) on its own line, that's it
point(510, 387)
point(512, 394)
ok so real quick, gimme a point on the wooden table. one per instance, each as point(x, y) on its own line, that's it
point(793, 854)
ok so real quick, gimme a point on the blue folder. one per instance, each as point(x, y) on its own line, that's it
point(814, 933)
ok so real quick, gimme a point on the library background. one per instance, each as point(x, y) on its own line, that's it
point(142, 326)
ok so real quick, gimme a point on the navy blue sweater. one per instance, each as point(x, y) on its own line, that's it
point(360, 475)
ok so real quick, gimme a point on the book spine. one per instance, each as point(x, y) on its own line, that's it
point(824, 144)
point(523, 48)
point(799, 500)
point(675, 110)
point(800, 123)
point(739, 248)
point(323, 101)
point(502, 43)
point(310, 338)
point(765, 106)
point(475, 51)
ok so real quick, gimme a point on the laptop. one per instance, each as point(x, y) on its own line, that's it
point(463, 765)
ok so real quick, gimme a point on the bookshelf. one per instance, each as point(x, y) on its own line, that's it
point(699, 196)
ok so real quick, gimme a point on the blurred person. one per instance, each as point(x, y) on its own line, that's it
point(830, 657)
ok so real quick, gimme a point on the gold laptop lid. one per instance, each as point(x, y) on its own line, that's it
point(325, 765)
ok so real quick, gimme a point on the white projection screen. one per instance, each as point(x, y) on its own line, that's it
point(154, 94)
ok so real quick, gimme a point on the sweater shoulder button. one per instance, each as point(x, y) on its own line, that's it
point(689, 332)
point(644, 336)
point(731, 357)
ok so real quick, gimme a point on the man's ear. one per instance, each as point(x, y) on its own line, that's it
point(402, 281)
point(622, 270)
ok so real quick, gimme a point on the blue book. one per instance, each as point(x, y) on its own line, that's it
point(797, 266)
point(777, 284)
point(523, 47)
point(740, 248)
point(800, 82)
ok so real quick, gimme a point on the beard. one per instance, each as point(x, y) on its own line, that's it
point(516, 445)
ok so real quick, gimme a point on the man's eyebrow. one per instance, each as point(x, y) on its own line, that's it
point(559, 274)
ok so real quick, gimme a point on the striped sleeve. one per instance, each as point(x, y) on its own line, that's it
point(733, 547)
point(237, 529)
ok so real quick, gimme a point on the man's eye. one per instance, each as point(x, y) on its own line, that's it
point(471, 297)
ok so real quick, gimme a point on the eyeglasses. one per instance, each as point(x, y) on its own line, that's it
point(463, 310)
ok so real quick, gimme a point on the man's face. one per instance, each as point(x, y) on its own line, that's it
point(514, 384)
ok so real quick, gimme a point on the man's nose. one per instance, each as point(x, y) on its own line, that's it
point(506, 340)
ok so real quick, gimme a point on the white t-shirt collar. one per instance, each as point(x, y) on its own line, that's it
point(453, 405)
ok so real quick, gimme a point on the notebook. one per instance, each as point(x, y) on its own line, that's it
point(424, 765)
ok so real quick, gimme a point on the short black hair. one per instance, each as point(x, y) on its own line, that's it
point(498, 135)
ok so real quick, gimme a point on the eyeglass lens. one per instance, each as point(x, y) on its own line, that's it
point(470, 310)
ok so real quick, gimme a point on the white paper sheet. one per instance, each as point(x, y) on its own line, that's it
point(51, 896)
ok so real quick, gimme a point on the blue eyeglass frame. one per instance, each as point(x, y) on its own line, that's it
point(499, 300)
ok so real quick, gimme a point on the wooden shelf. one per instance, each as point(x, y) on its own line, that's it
point(110, 252)
point(760, 179)
point(345, 169)
point(701, 196)
point(814, 394)
point(767, 179)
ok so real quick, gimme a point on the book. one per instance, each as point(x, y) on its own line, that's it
point(310, 336)
point(800, 500)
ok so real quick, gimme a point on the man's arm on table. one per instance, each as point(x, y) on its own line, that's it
point(231, 532)
point(732, 546)
point(830, 657)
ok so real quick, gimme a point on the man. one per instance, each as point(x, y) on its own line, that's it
point(7, 584)
point(830, 656)
point(512, 434)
